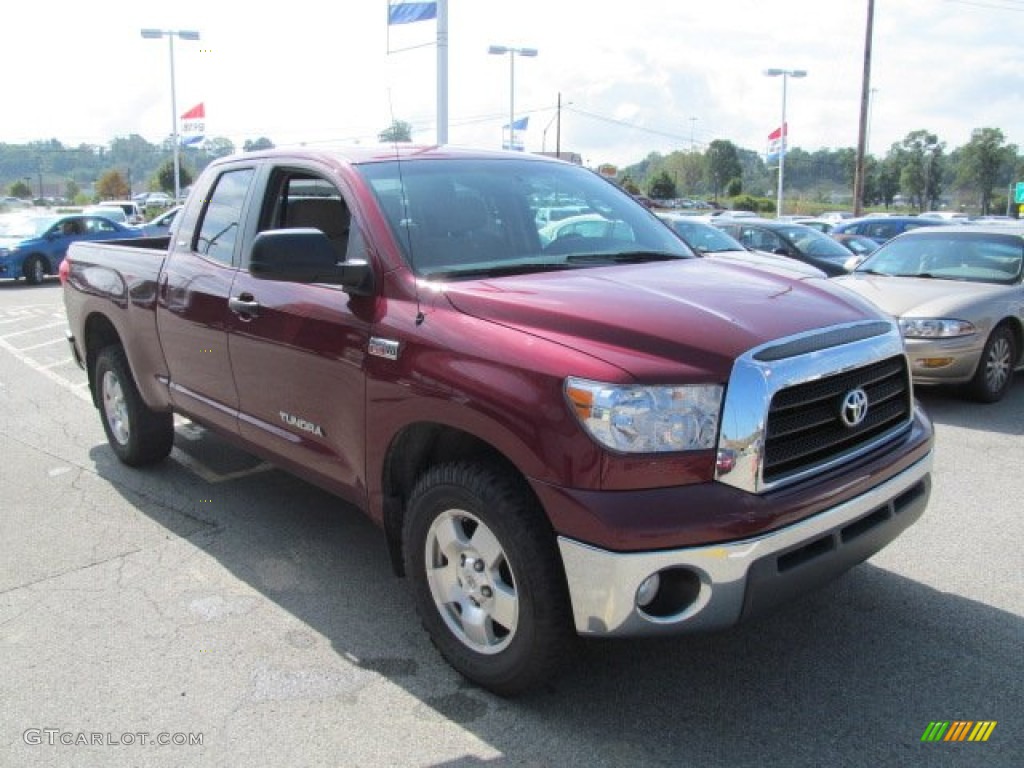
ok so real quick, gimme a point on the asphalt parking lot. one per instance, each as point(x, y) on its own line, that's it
point(216, 611)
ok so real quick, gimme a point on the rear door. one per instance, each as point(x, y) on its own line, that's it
point(192, 314)
point(297, 350)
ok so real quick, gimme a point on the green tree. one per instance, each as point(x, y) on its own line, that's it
point(723, 163)
point(262, 142)
point(399, 130)
point(72, 190)
point(219, 147)
point(165, 177)
point(662, 187)
point(629, 185)
point(20, 189)
point(982, 160)
point(112, 186)
point(888, 180)
point(921, 168)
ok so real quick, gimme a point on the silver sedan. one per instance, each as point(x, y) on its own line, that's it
point(959, 298)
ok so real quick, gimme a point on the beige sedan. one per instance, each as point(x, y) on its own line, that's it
point(958, 295)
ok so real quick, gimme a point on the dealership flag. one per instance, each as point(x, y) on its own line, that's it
point(405, 12)
point(193, 125)
point(518, 125)
point(777, 142)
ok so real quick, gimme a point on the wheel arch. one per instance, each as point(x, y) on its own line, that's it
point(1016, 326)
point(413, 450)
point(99, 332)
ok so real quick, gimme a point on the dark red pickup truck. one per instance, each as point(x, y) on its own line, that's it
point(569, 428)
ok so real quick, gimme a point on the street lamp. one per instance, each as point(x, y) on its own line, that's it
point(170, 34)
point(786, 74)
point(501, 50)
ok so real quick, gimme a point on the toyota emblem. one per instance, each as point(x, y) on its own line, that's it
point(855, 408)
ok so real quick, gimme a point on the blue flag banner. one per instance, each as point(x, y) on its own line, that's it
point(404, 12)
point(518, 125)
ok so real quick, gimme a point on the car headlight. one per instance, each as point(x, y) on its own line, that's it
point(647, 419)
point(934, 328)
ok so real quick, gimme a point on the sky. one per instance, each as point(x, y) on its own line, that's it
point(633, 78)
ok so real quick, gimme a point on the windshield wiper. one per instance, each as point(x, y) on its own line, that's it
point(624, 257)
point(498, 270)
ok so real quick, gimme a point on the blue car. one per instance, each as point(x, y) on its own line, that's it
point(34, 246)
point(883, 228)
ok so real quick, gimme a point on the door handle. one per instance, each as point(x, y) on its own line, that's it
point(245, 306)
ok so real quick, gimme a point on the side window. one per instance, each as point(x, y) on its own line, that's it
point(302, 200)
point(219, 230)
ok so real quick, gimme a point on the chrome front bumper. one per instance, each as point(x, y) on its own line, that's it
point(742, 579)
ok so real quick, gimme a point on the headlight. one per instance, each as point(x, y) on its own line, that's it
point(934, 328)
point(639, 419)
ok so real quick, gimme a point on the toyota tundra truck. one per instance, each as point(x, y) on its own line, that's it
point(598, 434)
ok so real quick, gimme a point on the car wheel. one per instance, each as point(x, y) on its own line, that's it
point(136, 433)
point(34, 270)
point(486, 576)
point(994, 375)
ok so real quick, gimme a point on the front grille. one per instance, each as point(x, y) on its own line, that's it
point(805, 428)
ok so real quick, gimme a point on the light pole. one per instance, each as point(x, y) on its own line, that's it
point(786, 74)
point(170, 34)
point(501, 50)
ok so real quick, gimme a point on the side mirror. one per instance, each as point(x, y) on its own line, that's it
point(306, 256)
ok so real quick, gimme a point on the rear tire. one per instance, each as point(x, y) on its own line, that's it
point(136, 433)
point(486, 576)
point(995, 369)
point(34, 269)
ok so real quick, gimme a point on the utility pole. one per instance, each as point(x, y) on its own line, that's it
point(865, 101)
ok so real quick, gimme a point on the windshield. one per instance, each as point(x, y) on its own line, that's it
point(981, 257)
point(467, 218)
point(25, 226)
point(705, 238)
point(811, 242)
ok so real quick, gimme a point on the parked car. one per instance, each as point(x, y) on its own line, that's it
point(715, 243)
point(786, 239)
point(34, 246)
point(585, 225)
point(14, 203)
point(859, 245)
point(111, 212)
point(882, 228)
point(822, 225)
point(958, 295)
point(549, 215)
point(132, 211)
point(951, 215)
point(158, 200)
point(161, 225)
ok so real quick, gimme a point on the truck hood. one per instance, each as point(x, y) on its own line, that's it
point(918, 296)
point(678, 319)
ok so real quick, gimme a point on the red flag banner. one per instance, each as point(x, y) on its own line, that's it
point(198, 112)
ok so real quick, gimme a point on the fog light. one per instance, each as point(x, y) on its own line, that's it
point(648, 590)
point(934, 362)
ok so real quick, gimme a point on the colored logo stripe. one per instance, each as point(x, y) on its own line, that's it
point(982, 731)
point(958, 730)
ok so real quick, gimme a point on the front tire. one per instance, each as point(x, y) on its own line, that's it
point(136, 433)
point(994, 375)
point(486, 576)
point(35, 270)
